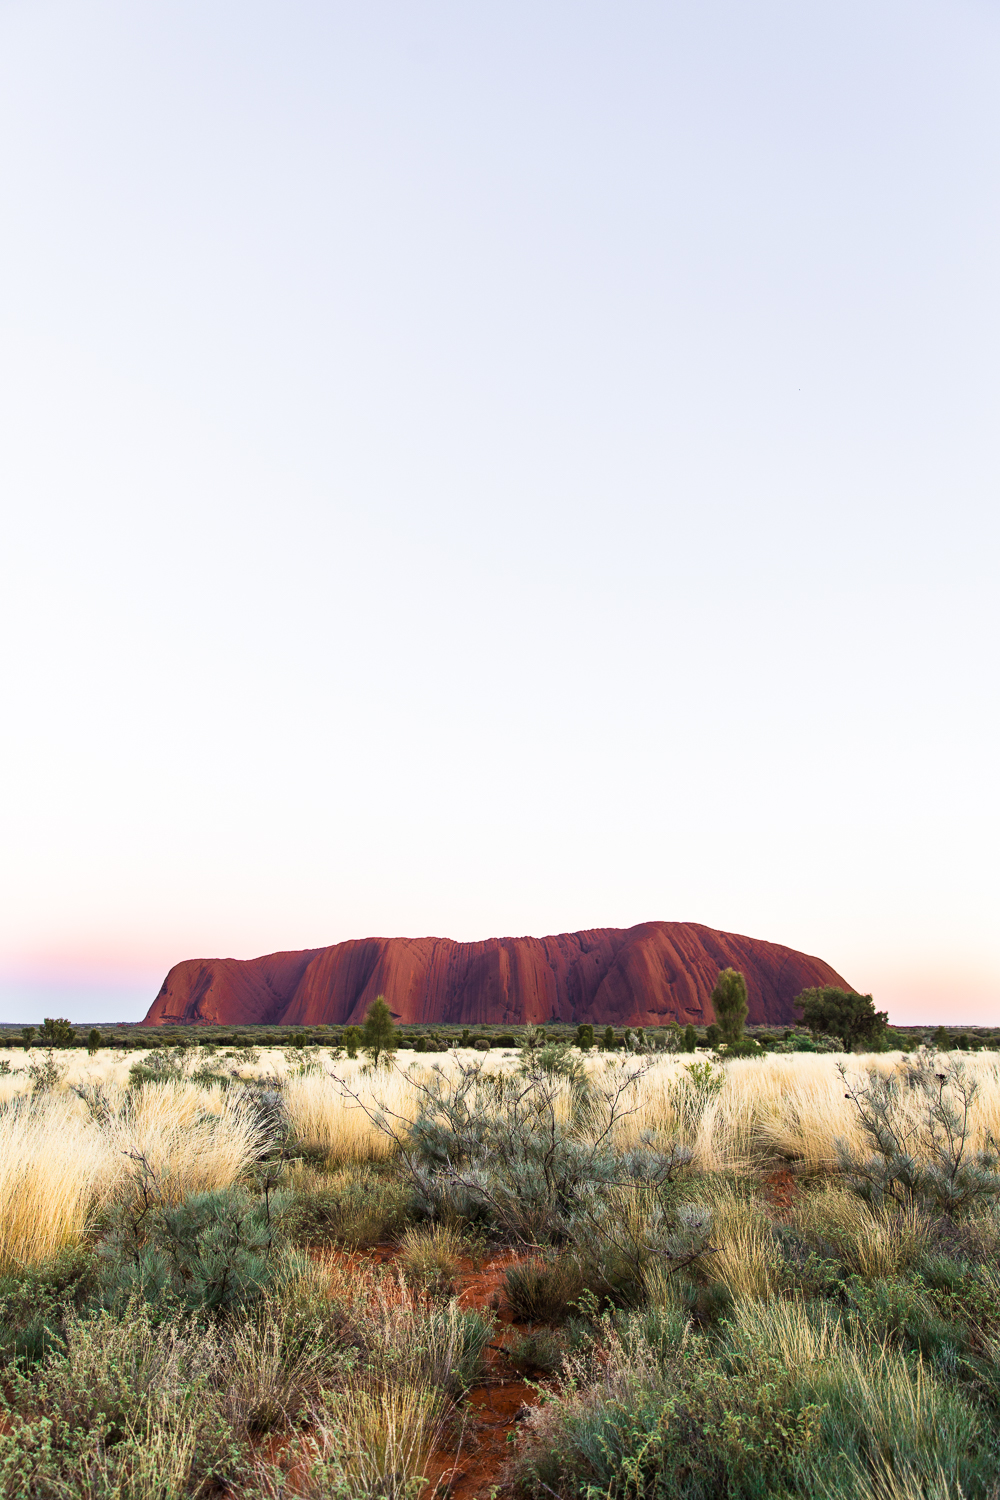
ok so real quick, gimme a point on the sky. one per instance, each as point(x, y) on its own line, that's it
point(480, 470)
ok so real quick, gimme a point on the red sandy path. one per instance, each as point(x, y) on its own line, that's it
point(468, 1463)
point(473, 1465)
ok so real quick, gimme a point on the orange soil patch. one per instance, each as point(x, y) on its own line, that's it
point(471, 1469)
point(781, 1188)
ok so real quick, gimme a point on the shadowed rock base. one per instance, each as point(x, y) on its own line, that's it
point(646, 975)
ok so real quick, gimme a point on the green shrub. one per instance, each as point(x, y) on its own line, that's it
point(542, 1290)
point(931, 1161)
point(34, 1303)
point(511, 1149)
point(47, 1074)
point(353, 1208)
point(164, 1066)
point(782, 1402)
point(214, 1252)
point(540, 1352)
point(128, 1409)
point(429, 1255)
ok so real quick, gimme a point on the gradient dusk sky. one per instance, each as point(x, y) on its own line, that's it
point(492, 469)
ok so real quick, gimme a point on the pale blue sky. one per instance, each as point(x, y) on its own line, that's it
point(491, 469)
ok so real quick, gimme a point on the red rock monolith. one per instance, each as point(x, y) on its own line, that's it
point(648, 975)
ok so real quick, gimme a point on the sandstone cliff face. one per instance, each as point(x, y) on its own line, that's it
point(647, 975)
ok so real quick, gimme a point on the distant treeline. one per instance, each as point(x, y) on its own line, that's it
point(440, 1038)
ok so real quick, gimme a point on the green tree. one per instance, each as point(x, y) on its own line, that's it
point(690, 1038)
point(27, 1036)
point(351, 1040)
point(713, 1034)
point(584, 1037)
point(93, 1040)
point(941, 1040)
point(56, 1033)
point(378, 1034)
point(609, 1039)
point(845, 1014)
point(729, 1001)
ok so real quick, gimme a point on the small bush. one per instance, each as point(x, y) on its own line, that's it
point(540, 1352)
point(372, 1442)
point(542, 1290)
point(781, 1402)
point(213, 1252)
point(430, 1258)
point(924, 1149)
point(34, 1303)
point(129, 1409)
point(357, 1209)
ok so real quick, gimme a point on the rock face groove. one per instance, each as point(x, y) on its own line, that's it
point(647, 975)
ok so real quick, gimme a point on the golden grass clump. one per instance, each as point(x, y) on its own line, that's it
point(58, 1163)
point(372, 1440)
point(804, 1337)
point(874, 1240)
point(53, 1165)
point(328, 1121)
point(430, 1256)
point(746, 1258)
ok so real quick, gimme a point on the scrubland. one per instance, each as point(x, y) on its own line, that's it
point(763, 1277)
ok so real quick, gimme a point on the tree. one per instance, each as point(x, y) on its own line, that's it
point(609, 1039)
point(584, 1037)
point(93, 1040)
point(941, 1040)
point(27, 1036)
point(845, 1014)
point(729, 1001)
point(378, 1034)
point(56, 1033)
point(351, 1040)
point(671, 1037)
point(690, 1038)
